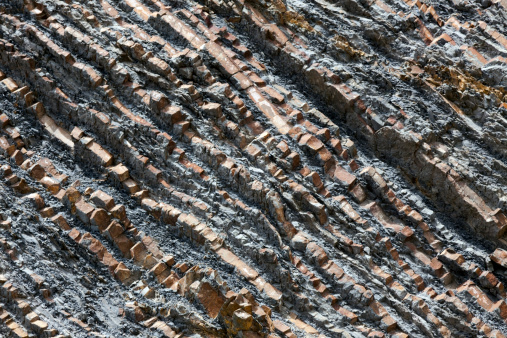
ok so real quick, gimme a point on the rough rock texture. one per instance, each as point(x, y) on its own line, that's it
point(253, 168)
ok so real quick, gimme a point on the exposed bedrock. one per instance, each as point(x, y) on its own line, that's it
point(253, 168)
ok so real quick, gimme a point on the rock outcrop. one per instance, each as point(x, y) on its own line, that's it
point(253, 168)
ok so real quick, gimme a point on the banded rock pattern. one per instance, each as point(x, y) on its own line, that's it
point(253, 168)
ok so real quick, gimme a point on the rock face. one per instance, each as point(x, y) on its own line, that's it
point(253, 168)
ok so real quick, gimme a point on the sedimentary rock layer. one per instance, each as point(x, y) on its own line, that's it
point(253, 168)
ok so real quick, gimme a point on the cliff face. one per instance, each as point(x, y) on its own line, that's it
point(253, 168)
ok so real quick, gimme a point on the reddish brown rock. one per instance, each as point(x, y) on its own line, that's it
point(211, 299)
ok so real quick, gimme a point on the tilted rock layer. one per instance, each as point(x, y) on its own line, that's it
point(253, 168)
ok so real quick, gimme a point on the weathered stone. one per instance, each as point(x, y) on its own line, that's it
point(211, 299)
point(102, 200)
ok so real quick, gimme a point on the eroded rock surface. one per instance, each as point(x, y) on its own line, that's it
point(253, 168)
